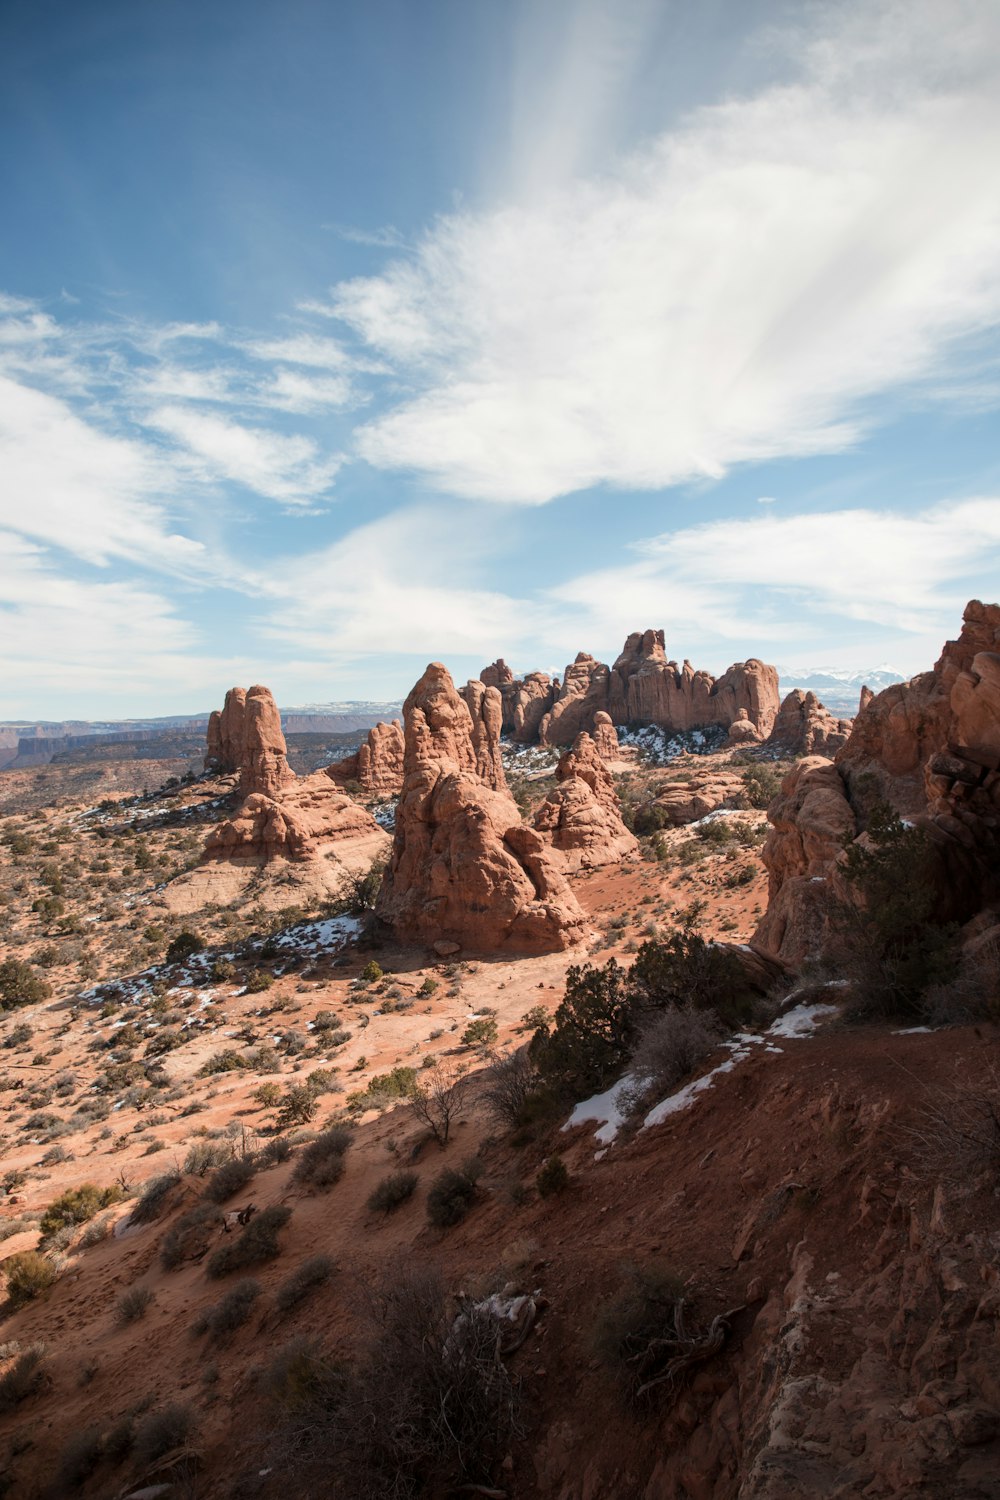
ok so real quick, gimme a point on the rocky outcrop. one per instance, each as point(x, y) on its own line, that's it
point(646, 688)
point(811, 819)
point(264, 767)
point(703, 790)
point(605, 737)
point(280, 816)
point(742, 732)
point(581, 816)
point(226, 730)
point(805, 727)
point(642, 687)
point(583, 694)
point(378, 765)
point(464, 869)
point(930, 748)
point(485, 707)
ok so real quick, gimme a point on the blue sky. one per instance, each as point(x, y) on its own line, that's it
point(339, 337)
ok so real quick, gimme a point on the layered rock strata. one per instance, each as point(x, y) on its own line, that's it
point(581, 816)
point(464, 869)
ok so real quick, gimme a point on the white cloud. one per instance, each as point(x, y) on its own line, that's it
point(76, 487)
point(805, 582)
point(287, 469)
point(732, 292)
point(302, 349)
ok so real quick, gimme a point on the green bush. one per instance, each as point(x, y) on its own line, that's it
point(884, 937)
point(256, 1242)
point(183, 946)
point(259, 981)
point(161, 1432)
point(133, 1304)
point(20, 985)
point(392, 1191)
point(28, 1275)
point(76, 1206)
point(683, 969)
point(25, 1376)
point(321, 1162)
point(761, 784)
point(591, 1034)
point(227, 1061)
point(191, 1236)
point(150, 1203)
point(482, 1032)
point(230, 1178)
point(451, 1195)
point(371, 973)
point(230, 1312)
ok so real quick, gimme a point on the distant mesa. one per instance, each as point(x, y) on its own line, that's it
point(930, 749)
point(464, 868)
point(642, 688)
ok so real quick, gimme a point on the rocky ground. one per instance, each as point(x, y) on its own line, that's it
point(803, 1191)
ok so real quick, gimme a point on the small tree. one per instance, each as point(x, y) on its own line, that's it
point(360, 892)
point(482, 1032)
point(592, 1031)
point(183, 946)
point(20, 984)
point(440, 1098)
point(508, 1083)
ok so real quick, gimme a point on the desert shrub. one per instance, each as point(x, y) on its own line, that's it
point(230, 1178)
point(258, 981)
point(552, 1177)
point(166, 1040)
point(256, 1242)
point(451, 1195)
point(204, 1155)
point(19, 1036)
point(440, 1098)
point(360, 891)
point(321, 1162)
point(183, 946)
point(649, 818)
point(683, 969)
point(161, 1432)
point(482, 1032)
point(76, 1206)
point(223, 969)
point(268, 1095)
point(24, 1377)
point(671, 1045)
point(153, 1197)
point(956, 1132)
point(226, 1061)
point(80, 1457)
point(299, 1104)
point(28, 1274)
point(304, 1280)
point(884, 937)
point(230, 1312)
point(972, 993)
point(639, 1312)
point(392, 1191)
point(120, 1439)
point(591, 1034)
point(761, 784)
point(20, 984)
point(274, 1152)
point(133, 1304)
point(371, 973)
point(508, 1083)
point(191, 1236)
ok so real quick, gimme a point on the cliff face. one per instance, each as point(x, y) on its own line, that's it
point(581, 816)
point(378, 765)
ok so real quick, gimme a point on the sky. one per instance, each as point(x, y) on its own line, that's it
point(337, 337)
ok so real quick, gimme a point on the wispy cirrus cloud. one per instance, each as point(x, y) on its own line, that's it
point(734, 291)
point(288, 469)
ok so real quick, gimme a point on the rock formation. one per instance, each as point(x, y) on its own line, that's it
point(642, 687)
point(279, 816)
point(605, 737)
point(581, 816)
point(464, 869)
point(704, 791)
point(485, 707)
point(742, 732)
point(378, 765)
point(226, 732)
point(930, 748)
point(805, 727)
point(583, 694)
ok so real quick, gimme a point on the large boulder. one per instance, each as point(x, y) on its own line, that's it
point(464, 869)
point(581, 816)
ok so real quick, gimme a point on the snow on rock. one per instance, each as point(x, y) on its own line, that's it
point(802, 1020)
point(604, 1109)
